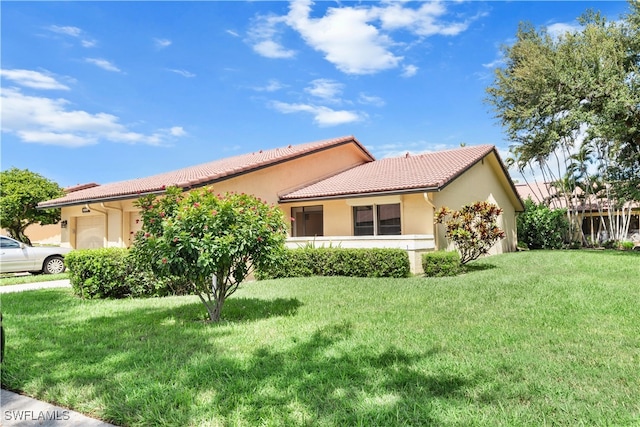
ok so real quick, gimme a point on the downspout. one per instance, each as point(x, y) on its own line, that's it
point(433, 207)
point(105, 241)
point(121, 238)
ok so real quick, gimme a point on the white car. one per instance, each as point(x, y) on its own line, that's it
point(17, 257)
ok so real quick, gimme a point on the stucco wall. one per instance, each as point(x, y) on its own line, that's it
point(480, 183)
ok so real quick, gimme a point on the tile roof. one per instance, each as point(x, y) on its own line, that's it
point(398, 174)
point(199, 175)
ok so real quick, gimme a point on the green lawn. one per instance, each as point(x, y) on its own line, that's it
point(524, 339)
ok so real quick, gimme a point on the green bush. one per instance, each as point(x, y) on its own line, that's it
point(310, 261)
point(112, 273)
point(540, 227)
point(441, 263)
point(627, 246)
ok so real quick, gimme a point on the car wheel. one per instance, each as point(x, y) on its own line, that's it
point(53, 265)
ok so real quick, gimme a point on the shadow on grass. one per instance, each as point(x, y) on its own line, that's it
point(149, 365)
point(473, 267)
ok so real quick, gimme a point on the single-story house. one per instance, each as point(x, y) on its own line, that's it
point(592, 214)
point(334, 190)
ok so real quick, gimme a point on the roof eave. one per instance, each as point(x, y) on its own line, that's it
point(99, 200)
point(360, 195)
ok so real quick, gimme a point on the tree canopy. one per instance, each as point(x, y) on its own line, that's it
point(570, 105)
point(20, 192)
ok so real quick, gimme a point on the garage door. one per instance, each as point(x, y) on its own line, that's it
point(90, 232)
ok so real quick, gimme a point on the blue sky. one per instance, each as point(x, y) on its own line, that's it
point(108, 91)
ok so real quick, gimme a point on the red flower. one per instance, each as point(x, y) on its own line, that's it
point(162, 214)
point(214, 212)
point(259, 239)
point(196, 205)
point(147, 234)
point(164, 260)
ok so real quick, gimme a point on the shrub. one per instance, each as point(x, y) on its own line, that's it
point(441, 263)
point(310, 261)
point(542, 228)
point(473, 229)
point(112, 273)
point(627, 246)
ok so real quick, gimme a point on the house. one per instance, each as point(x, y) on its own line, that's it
point(334, 190)
point(48, 235)
point(592, 213)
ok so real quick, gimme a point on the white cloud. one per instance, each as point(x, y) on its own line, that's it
point(423, 21)
point(66, 30)
point(74, 32)
point(345, 37)
point(177, 131)
point(498, 62)
point(183, 73)
point(326, 89)
point(51, 121)
point(558, 29)
point(371, 100)
point(272, 86)
point(33, 79)
point(323, 116)
point(232, 33)
point(161, 43)
point(264, 37)
point(103, 63)
point(409, 71)
point(271, 49)
point(357, 39)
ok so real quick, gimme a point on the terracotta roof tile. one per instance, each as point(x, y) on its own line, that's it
point(424, 171)
point(197, 175)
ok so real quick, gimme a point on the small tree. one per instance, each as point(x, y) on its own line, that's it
point(20, 192)
point(473, 229)
point(210, 241)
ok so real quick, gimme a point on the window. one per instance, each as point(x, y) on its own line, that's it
point(363, 220)
point(308, 221)
point(386, 219)
point(8, 243)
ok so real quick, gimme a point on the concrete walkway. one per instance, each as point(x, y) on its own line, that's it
point(37, 285)
point(23, 411)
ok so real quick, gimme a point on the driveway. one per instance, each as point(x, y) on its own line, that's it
point(33, 286)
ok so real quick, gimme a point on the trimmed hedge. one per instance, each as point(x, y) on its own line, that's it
point(340, 262)
point(441, 263)
point(112, 273)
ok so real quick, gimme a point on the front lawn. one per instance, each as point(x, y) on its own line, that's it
point(527, 339)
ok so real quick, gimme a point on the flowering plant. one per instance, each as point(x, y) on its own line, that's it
point(211, 241)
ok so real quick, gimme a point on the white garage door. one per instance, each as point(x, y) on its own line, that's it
point(90, 232)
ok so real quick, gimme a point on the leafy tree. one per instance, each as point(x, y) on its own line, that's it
point(20, 192)
point(578, 93)
point(540, 227)
point(210, 241)
point(473, 229)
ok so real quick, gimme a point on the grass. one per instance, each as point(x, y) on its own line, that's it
point(10, 279)
point(526, 339)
